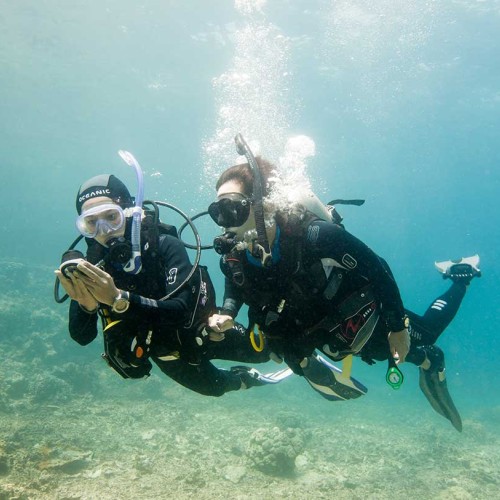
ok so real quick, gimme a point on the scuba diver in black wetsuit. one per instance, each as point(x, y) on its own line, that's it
point(316, 287)
point(152, 302)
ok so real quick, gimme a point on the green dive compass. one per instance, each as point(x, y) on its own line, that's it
point(394, 376)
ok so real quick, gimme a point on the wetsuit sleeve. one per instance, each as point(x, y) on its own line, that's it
point(173, 311)
point(82, 325)
point(232, 295)
point(331, 240)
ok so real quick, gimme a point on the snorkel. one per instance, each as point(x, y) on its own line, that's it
point(260, 249)
point(134, 265)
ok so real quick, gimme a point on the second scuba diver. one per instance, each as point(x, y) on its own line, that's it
point(309, 284)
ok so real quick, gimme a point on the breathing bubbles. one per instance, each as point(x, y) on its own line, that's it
point(249, 6)
point(292, 165)
point(292, 181)
point(374, 53)
point(252, 96)
point(297, 149)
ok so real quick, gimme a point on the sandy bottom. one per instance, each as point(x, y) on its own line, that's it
point(153, 439)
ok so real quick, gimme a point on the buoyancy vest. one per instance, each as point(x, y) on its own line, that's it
point(128, 343)
point(288, 284)
point(289, 298)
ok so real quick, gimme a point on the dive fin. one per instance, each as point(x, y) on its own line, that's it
point(434, 386)
point(275, 377)
point(252, 377)
point(329, 381)
point(463, 269)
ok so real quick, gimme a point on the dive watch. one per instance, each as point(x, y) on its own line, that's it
point(121, 303)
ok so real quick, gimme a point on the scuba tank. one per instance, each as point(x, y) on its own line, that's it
point(307, 199)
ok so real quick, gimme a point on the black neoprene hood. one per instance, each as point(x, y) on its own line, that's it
point(103, 185)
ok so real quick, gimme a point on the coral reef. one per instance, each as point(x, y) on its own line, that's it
point(274, 450)
point(71, 428)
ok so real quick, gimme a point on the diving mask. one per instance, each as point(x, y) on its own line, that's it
point(101, 219)
point(230, 210)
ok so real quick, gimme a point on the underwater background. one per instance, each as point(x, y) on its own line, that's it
point(395, 102)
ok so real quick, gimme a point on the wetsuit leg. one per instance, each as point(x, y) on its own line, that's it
point(203, 378)
point(425, 330)
point(236, 346)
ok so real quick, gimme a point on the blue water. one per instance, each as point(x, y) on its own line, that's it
point(401, 100)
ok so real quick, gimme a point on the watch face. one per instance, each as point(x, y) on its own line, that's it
point(121, 305)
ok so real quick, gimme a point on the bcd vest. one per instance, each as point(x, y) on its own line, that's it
point(128, 343)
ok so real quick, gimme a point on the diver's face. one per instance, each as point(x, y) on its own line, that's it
point(106, 222)
point(232, 189)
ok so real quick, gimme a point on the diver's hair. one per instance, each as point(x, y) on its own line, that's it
point(243, 174)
